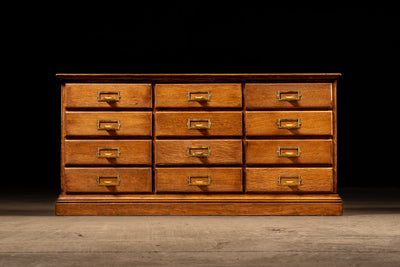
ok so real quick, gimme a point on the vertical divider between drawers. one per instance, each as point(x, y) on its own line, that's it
point(153, 137)
point(243, 138)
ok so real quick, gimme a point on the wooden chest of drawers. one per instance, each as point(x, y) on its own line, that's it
point(198, 144)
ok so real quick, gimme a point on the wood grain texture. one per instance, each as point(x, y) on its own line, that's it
point(126, 209)
point(265, 180)
point(220, 95)
point(312, 95)
point(84, 152)
point(132, 180)
point(175, 152)
point(84, 123)
point(223, 123)
point(264, 123)
point(84, 95)
point(312, 151)
point(239, 134)
point(176, 180)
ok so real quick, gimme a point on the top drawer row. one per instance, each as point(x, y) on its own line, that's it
point(201, 95)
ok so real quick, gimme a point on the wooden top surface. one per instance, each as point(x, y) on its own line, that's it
point(199, 77)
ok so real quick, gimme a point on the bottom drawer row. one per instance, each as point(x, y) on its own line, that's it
point(198, 180)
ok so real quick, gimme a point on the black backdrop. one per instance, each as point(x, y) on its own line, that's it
point(360, 43)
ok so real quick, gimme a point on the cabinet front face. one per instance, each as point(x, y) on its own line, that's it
point(198, 144)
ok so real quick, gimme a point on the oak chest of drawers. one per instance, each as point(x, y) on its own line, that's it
point(198, 144)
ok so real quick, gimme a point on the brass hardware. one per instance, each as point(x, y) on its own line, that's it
point(198, 98)
point(199, 126)
point(108, 182)
point(198, 154)
point(199, 183)
point(288, 154)
point(108, 98)
point(295, 123)
point(108, 155)
point(108, 127)
point(289, 183)
point(289, 97)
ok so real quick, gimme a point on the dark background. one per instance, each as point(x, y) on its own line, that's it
point(360, 43)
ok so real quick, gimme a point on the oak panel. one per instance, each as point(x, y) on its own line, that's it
point(175, 152)
point(87, 123)
point(312, 180)
point(305, 151)
point(309, 95)
point(85, 95)
point(221, 123)
point(182, 95)
point(84, 152)
point(265, 123)
point(132, 180)
point(176, 180)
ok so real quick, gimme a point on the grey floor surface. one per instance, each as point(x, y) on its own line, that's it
point(367, 235)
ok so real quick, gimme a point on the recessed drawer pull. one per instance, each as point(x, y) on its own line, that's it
point(107, 97)
point(199, 154)
point(289, 154)
point(198, 96)
point(108, 154)
point(199, 182)
point(108, 180)
point(193, 124)
point(289, 180)
point(108, 125)
point(289, 123)
point(289, 95)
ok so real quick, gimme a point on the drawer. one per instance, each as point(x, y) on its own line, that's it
point(108, 180)
point(108, 152)
point(198, 95)
point(288, 95)
point(202, 123)
point(198, 180)
point(287, 123)
point(289, 151)
point(107, 96)
point(289, 180)
point(202, 152)
point(108, 123)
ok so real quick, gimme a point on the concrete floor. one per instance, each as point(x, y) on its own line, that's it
point(367, 235)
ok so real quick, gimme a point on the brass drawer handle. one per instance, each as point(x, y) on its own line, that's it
point(108, 154)
point(288, 154)
point(198, 154)
point(198, 126)
point(107, 98)
point(104, 180)
point(199, 98)
point(291, 182)
point(113, 125)
point(289, 123)
point(292, 95)
point(199, 183)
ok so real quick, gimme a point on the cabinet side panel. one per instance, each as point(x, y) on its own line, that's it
point(62, 156)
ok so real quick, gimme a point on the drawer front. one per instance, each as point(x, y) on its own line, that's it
point(289, 180)
point(108, 152)
point(202, 152)
point(277, 123)
point(108, 96)
point(288, 95)
point(198, 95)
point(213, 123)
point(108, 180)
point(198, 180)
point(108, 123)
point(289, 151)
